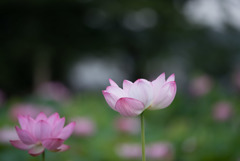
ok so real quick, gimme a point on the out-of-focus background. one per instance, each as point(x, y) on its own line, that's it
point(58, 56)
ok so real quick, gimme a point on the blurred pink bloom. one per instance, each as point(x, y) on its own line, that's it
point(222, 111)
point(28, 109)
point(201, 85)
point(6, 134)
point(53, 90)
point(134, 98)
point(37, 134)
point(127, 125)
point(129, 151)
point(84, 126)
point(160, 151)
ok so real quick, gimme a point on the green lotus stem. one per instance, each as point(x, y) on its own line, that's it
point(43, 156)
point(143, 137)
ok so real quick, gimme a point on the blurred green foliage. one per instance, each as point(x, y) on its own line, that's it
point(188, 124)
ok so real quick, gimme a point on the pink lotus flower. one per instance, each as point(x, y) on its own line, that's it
point(134, 98)
point(36, 135)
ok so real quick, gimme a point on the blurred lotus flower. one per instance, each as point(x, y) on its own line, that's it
point(84, 126)
point(129, 151)
point(28, 109)
point(43, 132)
point(6, 134)
point(222, 111)
point(134, 98)
point(201, 85)
point(127, 125)
point(53, 90)
point(160, 151)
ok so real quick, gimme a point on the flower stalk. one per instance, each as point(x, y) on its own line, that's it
point(43, 156)
point(143, 137)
